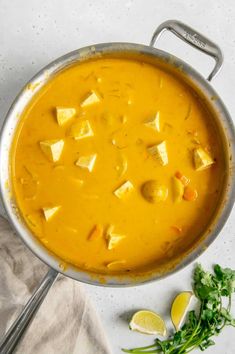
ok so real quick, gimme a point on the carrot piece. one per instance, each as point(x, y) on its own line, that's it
point(184, 180)
point(96, 232)
point(190, 194)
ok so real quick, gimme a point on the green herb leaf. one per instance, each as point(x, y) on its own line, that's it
point(210, 289)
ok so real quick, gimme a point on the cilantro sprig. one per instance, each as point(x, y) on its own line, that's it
point(211, 289)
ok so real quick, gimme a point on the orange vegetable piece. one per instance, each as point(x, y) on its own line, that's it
point(184, 180)
point(96, 232)
point(190, 194)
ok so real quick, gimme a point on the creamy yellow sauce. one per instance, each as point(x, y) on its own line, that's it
point(88, 213)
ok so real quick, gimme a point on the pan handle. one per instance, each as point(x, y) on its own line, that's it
point(3, 214)
point(195, 39)
point(9, 342)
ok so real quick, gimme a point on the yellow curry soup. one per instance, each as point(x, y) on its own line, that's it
point(117, 165)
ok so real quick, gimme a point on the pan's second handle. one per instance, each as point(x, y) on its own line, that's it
point(17, 330)
point(193, 38)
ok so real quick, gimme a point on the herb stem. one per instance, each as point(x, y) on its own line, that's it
point(143, 349)
point(135, 351)
point(194, 331)
point(198, 330)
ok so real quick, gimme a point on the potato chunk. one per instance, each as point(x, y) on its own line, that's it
point(124, 189)
point(202, 159)
point(81, 130)
point(154, 123)
point(50, 212)
point(87, 162)
point(52, 149)
point(112, 238)
point(159, 152)
point(154, 192)
point(64, 115)
point(91, 98)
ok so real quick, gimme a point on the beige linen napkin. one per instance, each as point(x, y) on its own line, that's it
point(66, 323)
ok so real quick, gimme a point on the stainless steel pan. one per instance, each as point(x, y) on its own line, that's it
point(199, 84)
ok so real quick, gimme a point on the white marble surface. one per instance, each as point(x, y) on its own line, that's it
point(33, 32)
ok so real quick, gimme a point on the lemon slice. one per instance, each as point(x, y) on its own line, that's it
point(148, 322)
point(179, 308)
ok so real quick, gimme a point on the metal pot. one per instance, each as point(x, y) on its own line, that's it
point(153, 55)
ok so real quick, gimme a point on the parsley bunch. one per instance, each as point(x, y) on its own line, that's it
point(211, 290)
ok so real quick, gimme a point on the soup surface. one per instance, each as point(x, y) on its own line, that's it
point(117, 165)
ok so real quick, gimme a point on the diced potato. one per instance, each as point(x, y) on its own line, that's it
point(178, 189)
point(154, 192)
point(154, 123)
point(96, 232)
point(87, 162)
point(81, 130)
point(159, 152)
point(92, 98)
point(50, 212)
point(52, 149)
point(124, 189)
point(64, 115)
point(112, 238)
point(202, 159)
point(116, 264)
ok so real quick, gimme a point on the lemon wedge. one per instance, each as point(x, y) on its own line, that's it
point(148, 322)
point(179, 308)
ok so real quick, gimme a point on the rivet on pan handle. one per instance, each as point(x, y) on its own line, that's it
point(195, 39)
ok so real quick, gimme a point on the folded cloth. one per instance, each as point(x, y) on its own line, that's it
point(66, 322)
